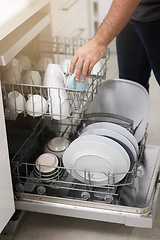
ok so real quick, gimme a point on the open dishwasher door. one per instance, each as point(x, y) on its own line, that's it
point(7, 207)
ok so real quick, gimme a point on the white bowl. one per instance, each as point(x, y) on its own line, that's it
point(57, 146)
point(46, 163)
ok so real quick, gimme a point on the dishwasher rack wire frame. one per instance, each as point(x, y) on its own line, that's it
point(64, 185)
point(58, 49)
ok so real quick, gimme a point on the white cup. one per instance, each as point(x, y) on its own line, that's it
point(36, 105)
point(65, 65)
point(42, 63)
point(14, 63)
point(32, 77)
point(59, 110)
point(16, 101)
point(96, 69)
point(25, 62)
point(12, 76)
point(52, 73)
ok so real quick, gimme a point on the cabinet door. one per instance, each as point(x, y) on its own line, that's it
point(6, 192)
point(70, 18)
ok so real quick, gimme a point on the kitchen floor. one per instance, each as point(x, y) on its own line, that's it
point(38, 226)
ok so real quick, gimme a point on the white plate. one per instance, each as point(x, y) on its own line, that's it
point(116, 128)
point(96, 154)
point(115, 136)
point(105, 140)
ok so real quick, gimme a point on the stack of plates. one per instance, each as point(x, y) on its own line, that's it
point(48, 167)
point(102, 150)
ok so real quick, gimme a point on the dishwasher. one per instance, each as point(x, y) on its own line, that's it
point(131, 201)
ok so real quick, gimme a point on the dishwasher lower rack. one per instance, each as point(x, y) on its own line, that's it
point(25, 177)
point(51, 99)
point(134, 193)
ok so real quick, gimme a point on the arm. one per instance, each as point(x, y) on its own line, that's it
point(119, 14)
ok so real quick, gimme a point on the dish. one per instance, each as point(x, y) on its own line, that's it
point(115, 136)
point(46, 163)
point(116, 128)
point(98, 155)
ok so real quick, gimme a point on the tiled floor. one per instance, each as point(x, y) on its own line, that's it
point(39, 226)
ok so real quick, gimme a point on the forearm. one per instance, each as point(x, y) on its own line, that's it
point(120, 13)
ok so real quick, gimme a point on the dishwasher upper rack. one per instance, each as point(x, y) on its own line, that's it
point(25, 180)
point(58, 49)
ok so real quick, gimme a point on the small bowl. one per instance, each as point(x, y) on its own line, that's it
point(51, 173)
point(46, 163)
point(57, 146)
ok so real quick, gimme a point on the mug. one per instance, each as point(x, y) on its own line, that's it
point(36, 105)
point(14, 63)
point(16, 101)
point(12, 76)
point(32, 77)
point(65, 65)
point(53, 72)
point(42, 63)
point(25, 62)
point(59, 109)
point(78, 85)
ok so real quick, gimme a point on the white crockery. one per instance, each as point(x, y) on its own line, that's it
point(57, 146)
point(32, 77)
point(16, 101)
point(65, 65)
point(36, 105)
point(114, 135)
point(54, 79)
point(25, 62)
point(12, 76)
point(14, 63)
point(114, 127)
point(100, 156)
point(42, 63)
point(59, 110)
point(96, 69)
point(46, 163)
point(52, 73)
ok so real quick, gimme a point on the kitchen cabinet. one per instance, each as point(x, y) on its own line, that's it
point(78, 18)
point(71, 18)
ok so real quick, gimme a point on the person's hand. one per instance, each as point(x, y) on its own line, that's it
point(86, 57)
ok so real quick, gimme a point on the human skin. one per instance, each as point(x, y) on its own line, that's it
point(90, 53)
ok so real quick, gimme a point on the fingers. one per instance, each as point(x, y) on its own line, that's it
point(73, 63)
point(79, 67)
